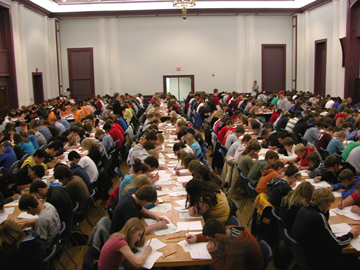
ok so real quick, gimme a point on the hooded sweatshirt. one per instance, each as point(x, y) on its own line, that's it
point(7, 159)
point(267, 176)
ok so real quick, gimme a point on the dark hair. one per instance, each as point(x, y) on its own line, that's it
point(247, 138)
point(271, 155)
point(138, 166)
point(146, 193)
point(35, 185)
point(107, 127)
point(200, 192)
point(277, 164)
point(75, 129)
point(27, 200)
point(240, 129)
point(152, 162)
point(40, 153)
point(255, 124)
point(203, 173)
point(282, 135)
point(53, 145)
point(212, 227)
point(148, 145)
point(73, 154)
point(151, 136)
point(189, 158)
point(331, 161)
point(313, 157)
point(61, 172)
point(177, 146)
point(346, 174)
point(291, 169)
point(39, 170)
point(298, 114)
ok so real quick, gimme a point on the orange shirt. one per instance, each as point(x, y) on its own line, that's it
point(86, 110)
point(78, 116)
point(51, 115)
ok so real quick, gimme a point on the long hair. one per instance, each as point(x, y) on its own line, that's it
point(189, 137)
point(89, 143)
point(11, 233)
point(252, 145)
point(131, 226)
point(139, 181)
point(19, 139)
point(200, 192)
point(299, 197)
point(203, 173)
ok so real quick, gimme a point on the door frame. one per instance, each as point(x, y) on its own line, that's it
point(262, 61)
point(42, 85)
point(70, 67)
point(179, 76)
point(315, 54)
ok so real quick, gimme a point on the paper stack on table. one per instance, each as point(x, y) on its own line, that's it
point(178, 193)
point(342, 229)
point(7, 211)
point(200, 253)
point(165, 207)
point(185, 178)
point(181, 203)
point(321, 184)
point(190, 226)
point(346, 212)
point(172, 156)
point(154, 255)
point(193, 246)
point(25, 215)
point(163, 192)
point(169, 230)
point(13, 203)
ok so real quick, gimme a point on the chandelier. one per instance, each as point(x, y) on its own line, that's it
point(184, 4)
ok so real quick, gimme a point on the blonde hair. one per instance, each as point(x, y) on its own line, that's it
point(139, 181)
point(160, 137)
point(193, 164)
point(154, 153)
point(89, 144)
point(71, 139)
point(300, 196)
point(131, 226)
point(341, 134)
point(322, 196)
point(181, 155)
point(299, 148)
point(189, 137)
point(11, 233)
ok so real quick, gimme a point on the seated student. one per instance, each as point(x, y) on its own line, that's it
point(324, 138)
point(138, 168)
point(114, 132)
point(237, 148)
point(7, 158)
point(351, 145)
point(289, 148)
point(230, 247)
point(178, 146)
point(8, 187)
point(270, 140)
point(301, 151)
point(26, 175)
point(56, 196)
point(335, 145)
point(47, 225)
point(151, 136)
point(51, 150)
point(271, 171)
point(207, 199)
point(255, 172)
point(246, 159)
point(132, 205)
point(86, 163)
point(234, 137)
point(317, 170)
point(333, 165)
point(94, 152)
point(312, 231)
point(73, 141)
point(353, 199)
point(140, 151)
point(291, 203)
point(224, 130)
point(194, 145)
point(25, 145)
point(354, 159)
point(31, 138)
point(348, 182)
point(20, 249)
point(105, 139)
point(119, 248)
point(312, 134)
point(256, 127)
point(73, 184)
point(203, 173)
point(279, 187)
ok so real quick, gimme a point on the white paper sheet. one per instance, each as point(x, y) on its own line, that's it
point(178, 193)
point(165, 207)
point(13, 203)
point(163, 192)
point(189, 247)
point(172, 156)
point(181, 203)
point(337, 194)
point(150, 261)
point(200, 253)
point(7, 211)
point(191, 226)
point(185, 178)
point(25, 215)
point(187, 215)
point(181, 209)
point(340, 229)
point(346, 212)
point(162, 183)
point(155, 244)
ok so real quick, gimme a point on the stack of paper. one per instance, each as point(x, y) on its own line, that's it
point(321, 184)
point(150, 261)
point(165, 207)
point(346, 212)
point(7, 211)
point(169, 230)
point(193, 246)
point(178, 193)
point(200, 253)
point(181, 203)
point(304, 173)
point(172, 156)
point(25, 215)
point(190, 226)
point(163, 192)
point(162, 183)
point(13, 203)
point(185, 178)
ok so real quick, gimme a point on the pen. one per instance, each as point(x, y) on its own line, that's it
point(175, 237)
point(150, 242)
point(169, 254)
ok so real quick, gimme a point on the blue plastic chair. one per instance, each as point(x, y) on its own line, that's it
point(298, 252)
point(233, 221)
point(267, 253)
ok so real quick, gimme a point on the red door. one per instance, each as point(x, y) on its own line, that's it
point(273, 67)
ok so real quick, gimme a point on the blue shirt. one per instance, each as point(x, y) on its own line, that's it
point(7, 159)
point(27, 148)
point(335, 105)
point(197, 147)
point(65, 124)
point(32, 139)
point(347, 190)
point(334, 146)
point(126, 181)
point(107, 141)
point(123, 123)
point(46, 132)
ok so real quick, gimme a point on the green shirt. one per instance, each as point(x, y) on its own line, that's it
point(348, 149)
point(275, 100)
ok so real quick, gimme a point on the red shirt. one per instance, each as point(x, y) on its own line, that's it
point(216, 100)
point(340, 115)
point(110, 257)
point(274, 116)
point(116, 136)
point(222, 133)
point(322, 141)
point(303, 161)
point(117, 126)
point(230, 131)
point(356, 198)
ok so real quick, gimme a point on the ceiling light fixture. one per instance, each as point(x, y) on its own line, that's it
point(184, 4)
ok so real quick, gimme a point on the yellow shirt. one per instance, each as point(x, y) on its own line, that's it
point(30, 161)
point(221, 211)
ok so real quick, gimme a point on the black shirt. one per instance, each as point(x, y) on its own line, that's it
point(23, 177)
point(61, 200)
point(124, 210)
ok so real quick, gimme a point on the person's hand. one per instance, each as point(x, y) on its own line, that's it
point(211, 246)
point(15, 197)
point(163, 219)
point(191, 238)
point(299, 168)
point(330, 188)
point(159, 187)
point(46, 172)
point(184, 184)
point(317, 179)
point(355, 233)
point(340, 205)
point(157, 202)
point(61, 157)
point(355, 209)
point(148, 249)
point(161, 225)
point(155, 178)
point(161, 167)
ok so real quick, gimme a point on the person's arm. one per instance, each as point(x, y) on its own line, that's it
point(161, 222)
point(347, 202)
point(193, 211)
point(131, 257)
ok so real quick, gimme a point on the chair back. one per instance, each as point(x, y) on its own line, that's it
point(79, 218)
point(204, 149)
point(233, 221)
point(205, 162)
point(281, 227)
point(298, 252)
point(15, 167)
point(23, 159)
point(221, 151)
point(45, 265)
point(233, 207)
point(128, 146)
point(340, 158)
point(228, 191)
point(204, 145)
point(267, 253)
point(325, 153)
point(253, 192)
point(70, 220)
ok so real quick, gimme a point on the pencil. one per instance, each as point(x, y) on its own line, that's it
point(175, 237)
point(150, 242)
point(169, 254)
point(172, 241)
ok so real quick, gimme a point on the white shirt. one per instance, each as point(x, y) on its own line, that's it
point(329, 104)
point(90, 167)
